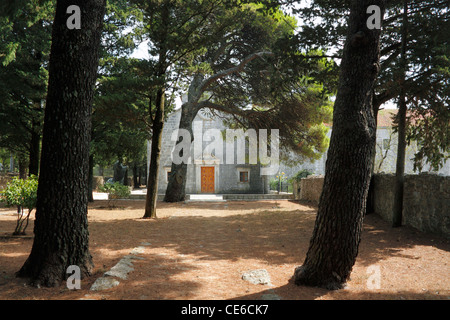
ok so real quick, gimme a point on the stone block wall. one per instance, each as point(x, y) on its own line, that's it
point(97, 181)
point(309, 189)
point(426, 201)
point(384, 185)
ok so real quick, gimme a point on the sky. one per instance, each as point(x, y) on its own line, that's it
point(142, 51)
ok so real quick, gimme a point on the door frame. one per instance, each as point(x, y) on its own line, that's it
point(198, 173)
point(213, 176)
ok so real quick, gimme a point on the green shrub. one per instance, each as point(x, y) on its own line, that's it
point(115, 191)
point(301, 174)
point(274, 184)
point(23, 194)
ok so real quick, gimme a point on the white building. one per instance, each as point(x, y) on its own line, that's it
point(209, 173)
point(386, 152)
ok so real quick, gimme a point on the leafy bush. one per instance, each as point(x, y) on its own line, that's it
point(301, 174)
point(23, 194)
point(115, 191)
point(274, 184)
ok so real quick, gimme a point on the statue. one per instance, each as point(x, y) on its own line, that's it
point(119, 172)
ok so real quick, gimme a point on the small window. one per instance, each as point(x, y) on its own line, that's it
point(386, 144)
point(243, 176)
point(168, 175)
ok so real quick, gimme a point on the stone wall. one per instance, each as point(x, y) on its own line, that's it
point(97, 182)
point(383, 185)
point(296, 189)
point(309, 188)
point(426, 201)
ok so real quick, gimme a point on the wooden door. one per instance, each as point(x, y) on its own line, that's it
point(207, 179)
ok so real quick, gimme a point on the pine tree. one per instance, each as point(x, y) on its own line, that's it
point(337, 232)
point(252, 60)
point(61, 228)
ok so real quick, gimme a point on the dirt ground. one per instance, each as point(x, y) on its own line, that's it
point(199, 250)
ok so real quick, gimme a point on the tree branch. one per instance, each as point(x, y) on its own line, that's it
point(219, 107)
point(206, 83)
point(388, 49)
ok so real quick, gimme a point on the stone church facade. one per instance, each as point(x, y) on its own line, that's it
point(206, 172)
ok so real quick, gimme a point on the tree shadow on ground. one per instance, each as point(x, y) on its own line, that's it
point(272, 237)
point(312, 293)
point(190, 250)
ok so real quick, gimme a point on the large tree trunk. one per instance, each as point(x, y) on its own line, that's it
point(61, 226)
point(152, 181)
point(397, 216)
point(135, 176)
point(23, 165)
point(33, 166)
point(337, 232)
point(176, 188)
point(370, 203)
point(158, 122)
point(91, 179)
point(401, 122)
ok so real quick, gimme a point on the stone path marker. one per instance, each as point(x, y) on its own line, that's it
point(125, 266)
point(104, 283)
point(260, 276)
point(120, 270)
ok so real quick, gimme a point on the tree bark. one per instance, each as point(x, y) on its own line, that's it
point(146, 176)
point(152, 181)
point(135, 176)
point(401, 122)
point(337, 232)
point(176, 188)
point(33, 166)
point(370, 203)
point(61, 226)
point(125, 176)
point(23, 165)
point(158, 121)
point(91, 179)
